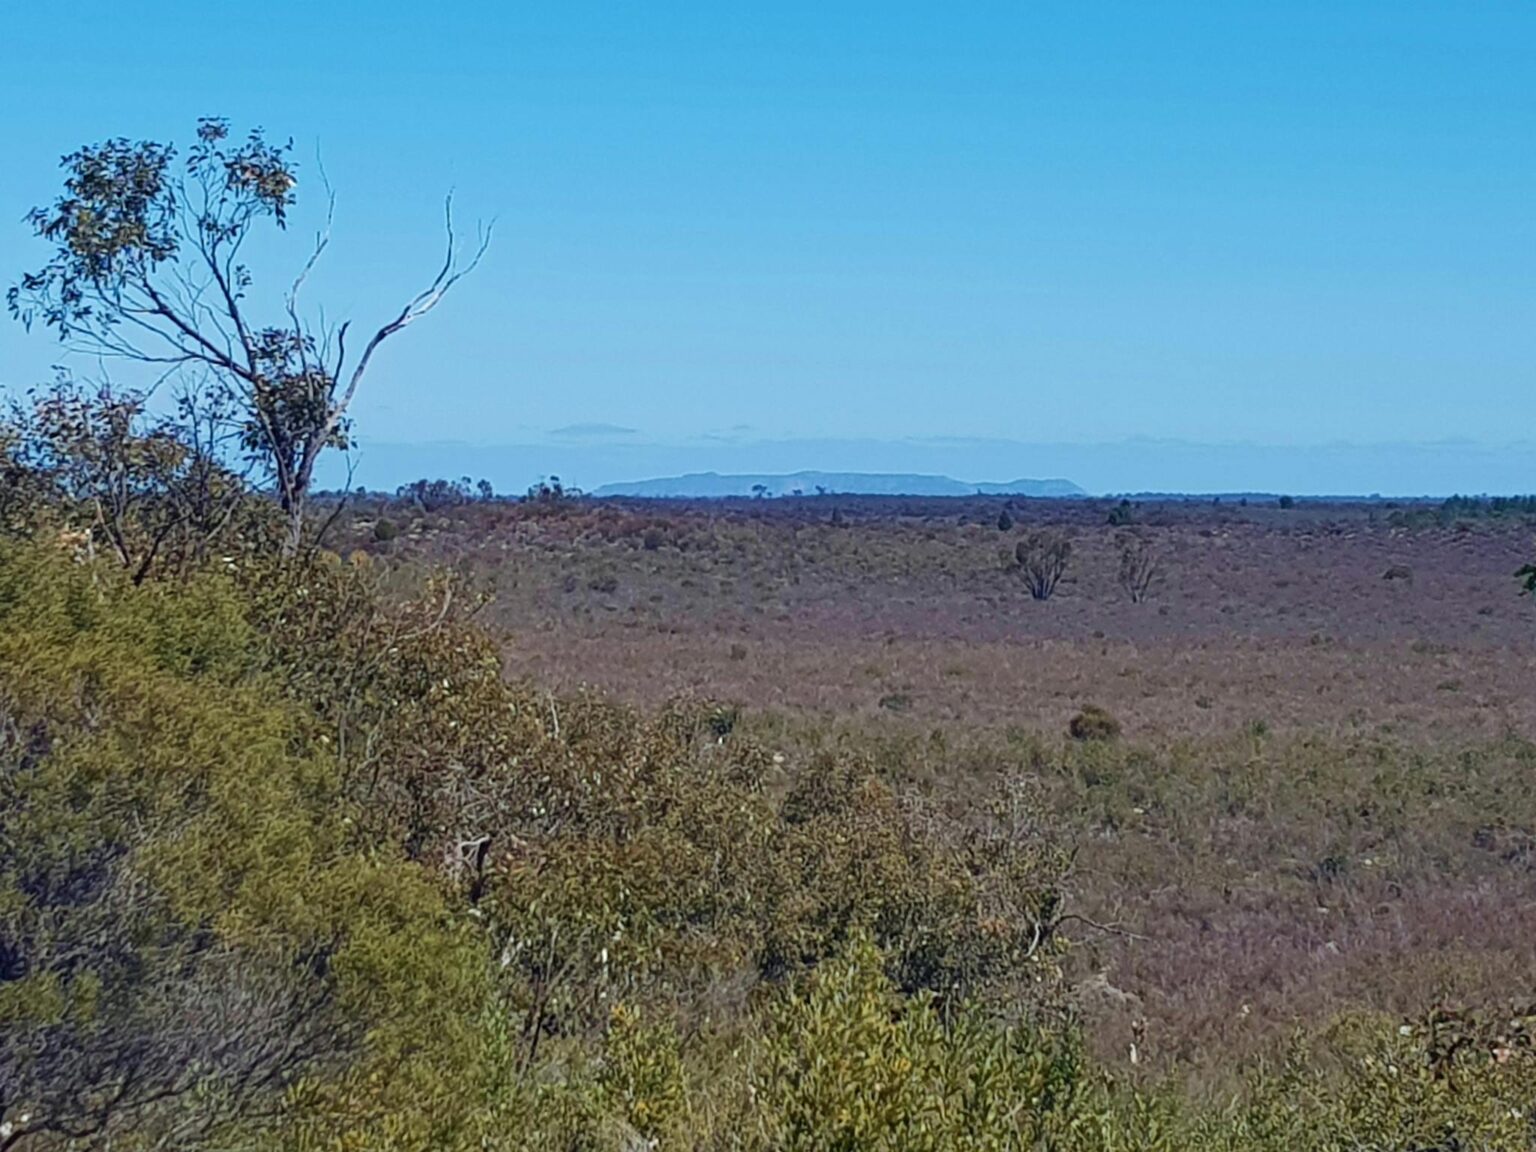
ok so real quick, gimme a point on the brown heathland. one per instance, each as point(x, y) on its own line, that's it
point(1320, 794)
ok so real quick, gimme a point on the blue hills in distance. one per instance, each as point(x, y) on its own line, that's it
point(707, 485)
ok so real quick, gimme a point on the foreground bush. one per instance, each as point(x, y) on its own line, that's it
point(849, 1063)
point(189, 932)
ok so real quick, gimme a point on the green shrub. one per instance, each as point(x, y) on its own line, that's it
point(188, 927)
point(851, 1064)
point(642, 1076)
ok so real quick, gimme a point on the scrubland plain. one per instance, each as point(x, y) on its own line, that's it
point(1318, 797)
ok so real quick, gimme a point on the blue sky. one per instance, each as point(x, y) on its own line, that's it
point(1291, 225)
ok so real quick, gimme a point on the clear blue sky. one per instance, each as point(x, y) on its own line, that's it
point(1292, 224)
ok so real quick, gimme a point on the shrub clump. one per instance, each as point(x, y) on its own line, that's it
point(1093, 724)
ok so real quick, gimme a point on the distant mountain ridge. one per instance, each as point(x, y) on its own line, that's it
point(708, 485)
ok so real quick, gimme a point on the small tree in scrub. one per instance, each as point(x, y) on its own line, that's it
point(1122, 514)
point(1528, 576)
point(1041, 559)
point(552, 492)
point(436, 495)
point(1139, 567)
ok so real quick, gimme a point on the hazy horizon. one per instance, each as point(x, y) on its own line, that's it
point(1130, 466)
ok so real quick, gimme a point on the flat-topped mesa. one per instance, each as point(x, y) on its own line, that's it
point(706, 485)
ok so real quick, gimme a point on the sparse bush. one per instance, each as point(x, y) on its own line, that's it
point(145, 240)
point(1139, 567)
point(1493, 507)
point(1041, 559)
point(437, 495)
point(287, 862)
point(1287, 502)
point(554, 921)
point(552, 491)
point(1122, 514)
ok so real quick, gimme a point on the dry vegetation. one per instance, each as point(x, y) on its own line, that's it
point(1318, 797)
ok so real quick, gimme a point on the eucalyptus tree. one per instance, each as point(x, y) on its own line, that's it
point(149, 265)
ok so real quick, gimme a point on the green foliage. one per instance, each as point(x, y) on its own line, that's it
point(151, 492)
point(959, 908)
point(24, 493)
point(187, 930)
point(642, 1076)
point(852, 1064)
point(1473, 507)
point(1527, 575)
point(1368, 1084)
point(146, 265)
